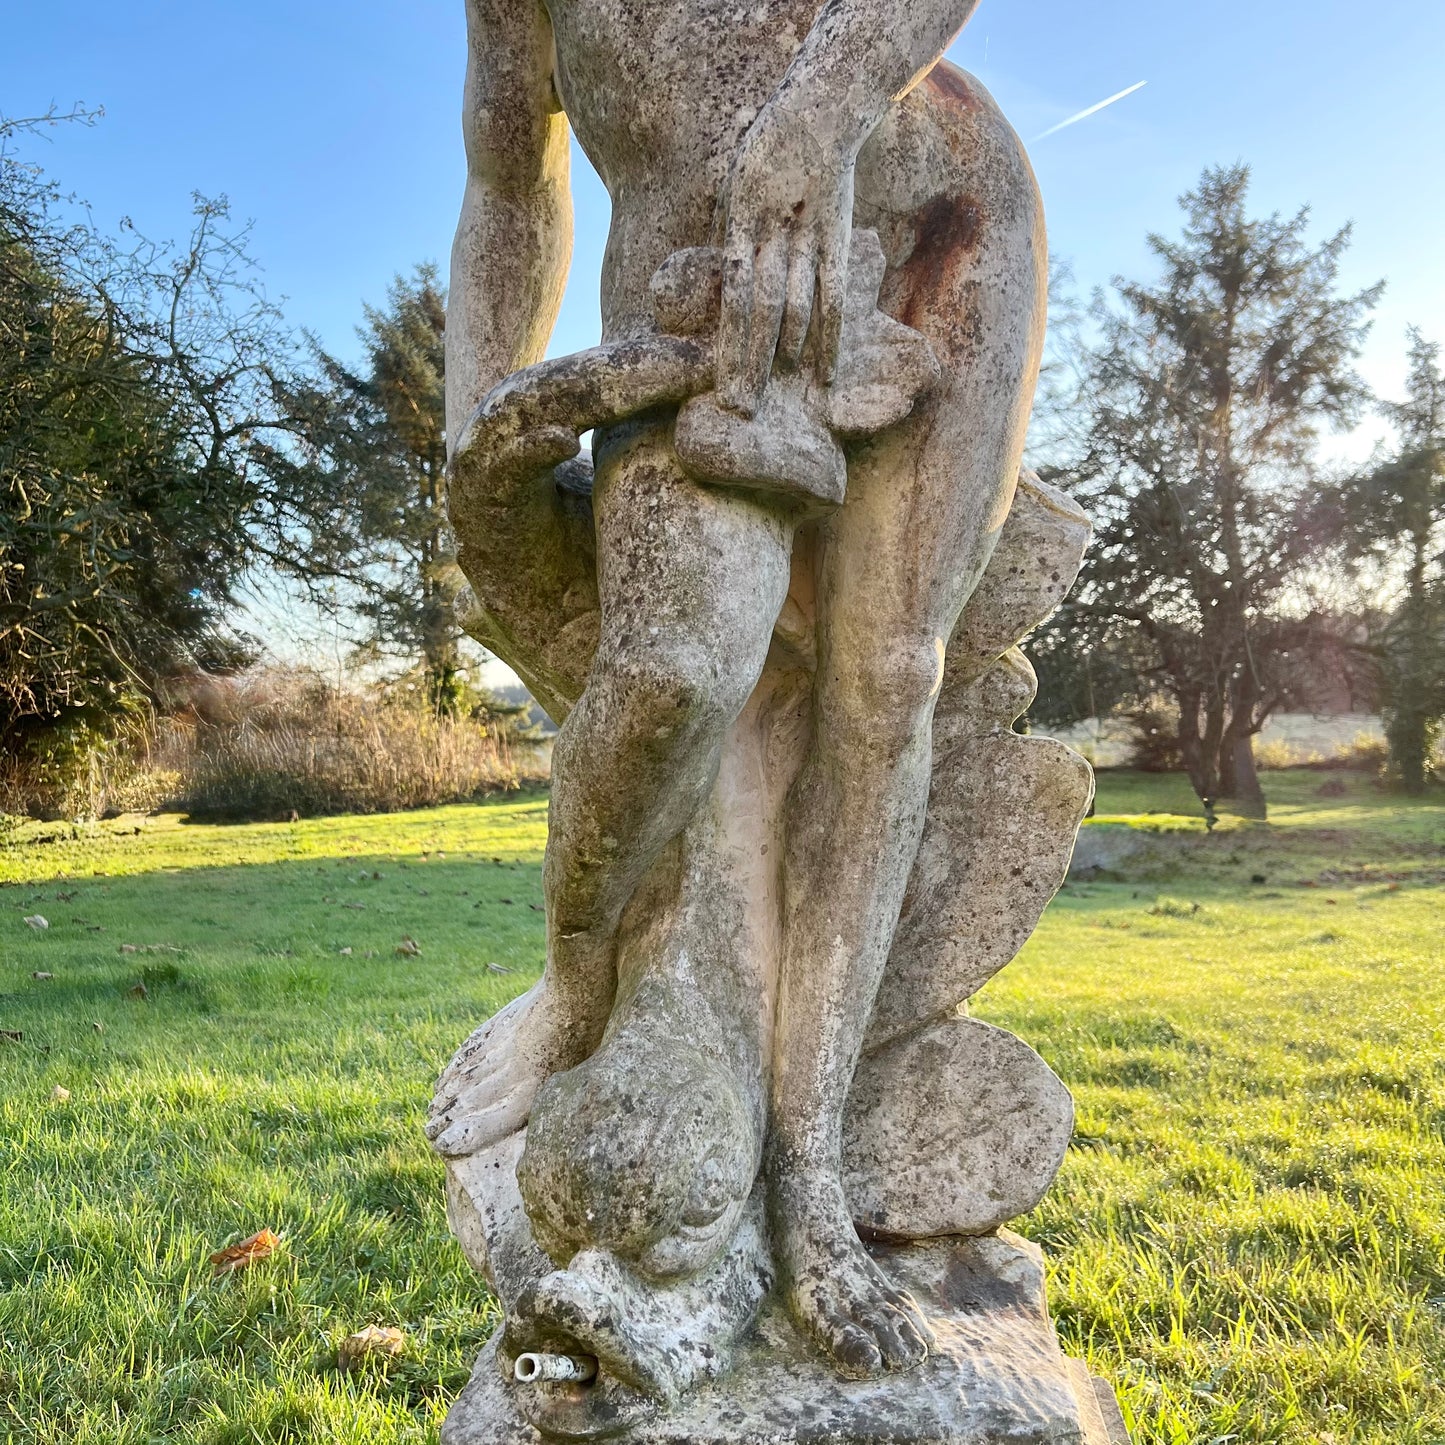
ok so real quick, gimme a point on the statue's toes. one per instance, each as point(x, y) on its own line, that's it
point(854, 1350)
point(906, 1306)
point(486, 1092)
point(861, 1320)
point(870, 1338)
point(483, 1090)
point(457, 1137)
point(901, 1339)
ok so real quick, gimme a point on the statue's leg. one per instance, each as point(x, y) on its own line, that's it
point(691, 580)
point(924, 506)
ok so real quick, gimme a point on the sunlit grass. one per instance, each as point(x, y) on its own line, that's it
point(267, 1079)
point(1248, 1236)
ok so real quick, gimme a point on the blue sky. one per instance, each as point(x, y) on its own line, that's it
point(334, 128)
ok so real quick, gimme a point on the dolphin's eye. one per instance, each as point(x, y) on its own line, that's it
point(710, 1195)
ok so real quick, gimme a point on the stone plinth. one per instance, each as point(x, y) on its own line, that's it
point(996, 1376)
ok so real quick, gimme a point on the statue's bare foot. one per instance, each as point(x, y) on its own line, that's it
point(835, 1291)
point(486, 1092)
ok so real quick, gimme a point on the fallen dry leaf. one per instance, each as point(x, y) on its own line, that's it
point(60, 1095)
point(12, 1036)
point(138, 990)
point(126, 948)
point(260, 1245)
point(41, 974)
point(408, 947)
point(373, 1340)
point(36, 921)
point(346, 953)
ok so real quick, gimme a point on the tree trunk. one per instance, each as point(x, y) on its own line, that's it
point(1237, 756)
point(441, 656)
point(1408, 734)
point(1207, 785)
point(1190, 747)
point(1228, 773)
point(1238, 777)
point(1408, 730)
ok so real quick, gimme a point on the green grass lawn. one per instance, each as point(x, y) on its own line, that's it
point(1248, 1236)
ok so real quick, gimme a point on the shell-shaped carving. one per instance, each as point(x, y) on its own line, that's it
point(1003, 810)
point(956, 1129)
point(955, 1126)
point(1002, 816)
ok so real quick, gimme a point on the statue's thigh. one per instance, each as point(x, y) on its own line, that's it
point(946, 184)
point(678, 559)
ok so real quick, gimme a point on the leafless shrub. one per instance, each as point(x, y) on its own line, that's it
point(272, 744)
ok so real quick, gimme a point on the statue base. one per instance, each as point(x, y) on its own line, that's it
point(996, 1376)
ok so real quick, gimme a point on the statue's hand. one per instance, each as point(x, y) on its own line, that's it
point(788, 212)
point(508, 442)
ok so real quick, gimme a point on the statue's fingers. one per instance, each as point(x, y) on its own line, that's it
point(770, 288)
point(485, 1128)
point(547, 446)
point(736, 320)
point(832, 293)
point(798, 303)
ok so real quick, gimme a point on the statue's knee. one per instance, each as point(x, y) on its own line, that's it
point(681, 687)
point(889, 694)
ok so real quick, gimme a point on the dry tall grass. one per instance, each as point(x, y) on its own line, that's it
point(272, 743)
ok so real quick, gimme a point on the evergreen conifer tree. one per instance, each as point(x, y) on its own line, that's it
point(1202, 394)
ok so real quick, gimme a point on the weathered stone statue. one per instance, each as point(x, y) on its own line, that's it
point(736, 1166)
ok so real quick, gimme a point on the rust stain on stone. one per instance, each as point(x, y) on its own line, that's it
point(950, 84)
point(946, 232)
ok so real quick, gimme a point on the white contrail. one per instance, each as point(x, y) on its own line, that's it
point(1092, 110)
